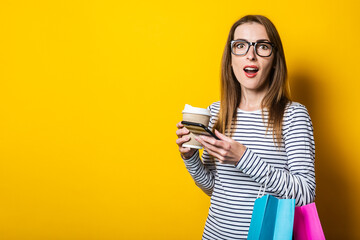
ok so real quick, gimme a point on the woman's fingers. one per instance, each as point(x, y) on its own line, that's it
point(215, 154)
point(214, 142)
point(211, 145)
point(182, 140)
point(222, 136)
point(183, 137)
point(179, 125)
point(182, 131)
point(216, 148)
point(184, 150)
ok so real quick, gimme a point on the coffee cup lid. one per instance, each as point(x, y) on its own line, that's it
point(189, 109)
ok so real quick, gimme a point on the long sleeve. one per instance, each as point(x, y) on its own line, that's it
point(203, 173)
point(300, 150)
point(234, 189)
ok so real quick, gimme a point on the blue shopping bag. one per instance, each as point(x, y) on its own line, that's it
point(272, 218)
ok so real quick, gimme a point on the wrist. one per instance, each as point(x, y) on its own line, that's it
point(187, 156)
point(242, 151)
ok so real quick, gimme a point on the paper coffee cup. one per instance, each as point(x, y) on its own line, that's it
point(196, 115)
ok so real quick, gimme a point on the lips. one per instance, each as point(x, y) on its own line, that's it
point(251, 71)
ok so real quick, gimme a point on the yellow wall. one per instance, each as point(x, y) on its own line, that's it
point(90, 92)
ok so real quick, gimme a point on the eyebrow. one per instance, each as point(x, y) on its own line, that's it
point(259, 40)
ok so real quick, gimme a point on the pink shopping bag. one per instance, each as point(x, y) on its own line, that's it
point(307, 224)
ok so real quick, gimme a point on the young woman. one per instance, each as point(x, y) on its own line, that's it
point(262, 133)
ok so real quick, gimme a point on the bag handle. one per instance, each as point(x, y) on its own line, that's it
point(267, 180)
point(302, 196)
point(286, 189)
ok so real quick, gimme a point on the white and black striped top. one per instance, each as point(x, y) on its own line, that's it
point(233, 189)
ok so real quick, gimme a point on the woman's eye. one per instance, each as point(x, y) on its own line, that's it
point(264, 47)
point(240, 45)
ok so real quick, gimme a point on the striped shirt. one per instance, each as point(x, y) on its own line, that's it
point(233, 189)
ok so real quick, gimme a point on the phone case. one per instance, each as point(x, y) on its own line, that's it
point(198, 128)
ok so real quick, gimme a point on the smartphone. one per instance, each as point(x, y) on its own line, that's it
point(199, 128)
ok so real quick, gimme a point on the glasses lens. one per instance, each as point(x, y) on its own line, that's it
point(263, 49)
point(240, 47)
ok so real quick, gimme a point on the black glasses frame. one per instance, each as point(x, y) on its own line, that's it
point(249, 45)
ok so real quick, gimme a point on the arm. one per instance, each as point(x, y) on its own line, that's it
point(300, 149)
point(203, 173)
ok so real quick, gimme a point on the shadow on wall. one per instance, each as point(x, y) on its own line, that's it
point(332, 189)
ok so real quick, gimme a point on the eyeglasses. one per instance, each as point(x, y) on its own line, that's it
point(262, 48)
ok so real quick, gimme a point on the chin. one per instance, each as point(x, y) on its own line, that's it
point(252, 84)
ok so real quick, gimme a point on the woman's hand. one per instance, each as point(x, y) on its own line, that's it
point(183, 137)
point(226, 150)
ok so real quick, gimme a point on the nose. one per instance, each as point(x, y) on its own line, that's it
point(251, 53)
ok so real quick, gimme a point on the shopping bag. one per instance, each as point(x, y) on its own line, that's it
point(307, 224)
point(272, 218)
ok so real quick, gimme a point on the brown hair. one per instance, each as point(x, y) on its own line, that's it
point(277, 96)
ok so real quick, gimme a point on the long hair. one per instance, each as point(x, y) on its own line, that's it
point(277, 96)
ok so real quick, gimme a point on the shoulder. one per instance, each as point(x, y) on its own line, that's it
point(295, 110)
point(296, 118)
point(214, 111)
point(214, 108)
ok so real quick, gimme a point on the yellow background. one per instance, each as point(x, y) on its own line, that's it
point(91, 91)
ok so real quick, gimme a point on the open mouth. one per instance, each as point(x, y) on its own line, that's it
point(251, 71)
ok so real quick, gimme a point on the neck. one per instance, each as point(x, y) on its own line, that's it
point(251, 100)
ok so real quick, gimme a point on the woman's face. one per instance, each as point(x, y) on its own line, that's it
point(251, 70)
